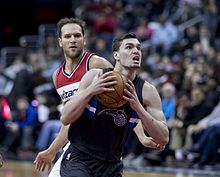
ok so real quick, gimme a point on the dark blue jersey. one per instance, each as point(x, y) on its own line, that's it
point(101, 132)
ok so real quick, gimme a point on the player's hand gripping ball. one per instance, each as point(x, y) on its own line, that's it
point(114, 99)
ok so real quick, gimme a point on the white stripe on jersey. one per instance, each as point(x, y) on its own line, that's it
point(67, 91)
point(91, 109)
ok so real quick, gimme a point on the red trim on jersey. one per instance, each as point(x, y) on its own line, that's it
point(64, 79)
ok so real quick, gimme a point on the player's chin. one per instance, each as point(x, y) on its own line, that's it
point(135, 66)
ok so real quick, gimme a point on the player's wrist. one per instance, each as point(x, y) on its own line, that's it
point(52, 151)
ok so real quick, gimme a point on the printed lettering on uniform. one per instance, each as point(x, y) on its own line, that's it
point(133, 121)
point(66, 92)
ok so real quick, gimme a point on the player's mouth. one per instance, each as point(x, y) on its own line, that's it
point(136, 58)
point(72, 47)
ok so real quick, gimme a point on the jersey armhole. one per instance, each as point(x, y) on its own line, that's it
point(54, 77)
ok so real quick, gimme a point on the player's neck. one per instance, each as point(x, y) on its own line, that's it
point(71, 64)
point(130, 74)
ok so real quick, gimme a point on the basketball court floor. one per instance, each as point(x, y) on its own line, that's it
point(26, 169)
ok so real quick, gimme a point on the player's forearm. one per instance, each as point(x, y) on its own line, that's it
point(139, 131)
point(157, 129)
point(60, 140)
point(74, 108)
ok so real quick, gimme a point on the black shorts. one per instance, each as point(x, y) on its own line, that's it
point(78, 164)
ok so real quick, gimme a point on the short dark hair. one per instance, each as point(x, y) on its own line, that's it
point(118, 40)
point(66, 20)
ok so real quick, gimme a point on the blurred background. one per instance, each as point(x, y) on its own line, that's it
point(181, 58)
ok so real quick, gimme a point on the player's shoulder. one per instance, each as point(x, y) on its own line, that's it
point(149, 87)
point(94, 71)
point(54, 75)
point(99, 62)
point(91, 74)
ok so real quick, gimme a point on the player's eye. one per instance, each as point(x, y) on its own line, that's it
point(78, 35)
point(67, 36)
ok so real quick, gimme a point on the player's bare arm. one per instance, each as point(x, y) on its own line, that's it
point(92, 83)
point(146, 140)
point(45, 158)
point(99, 62)
point(151, 114)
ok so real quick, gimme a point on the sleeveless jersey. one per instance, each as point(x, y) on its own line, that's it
point(101, 132)
point(67, 84)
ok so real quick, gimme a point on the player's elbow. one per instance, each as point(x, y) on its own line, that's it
point(165, 139)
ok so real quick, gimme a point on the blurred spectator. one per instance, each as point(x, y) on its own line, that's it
point(168, 101)
point(198, 108)
point(101, 48)
point(196, 130)
point(177, 134)
point(207, 146)
point(50, 127)
point(5, 115)
point(191, 36)
point(20, 129)
point(165, 34)
point(143, 30)
point(19, 72)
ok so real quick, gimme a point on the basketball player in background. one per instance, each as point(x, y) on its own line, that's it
point(66, 80)
point(98, 133)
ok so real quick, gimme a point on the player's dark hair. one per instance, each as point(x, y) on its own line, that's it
point(66, 20)
point(118, 40)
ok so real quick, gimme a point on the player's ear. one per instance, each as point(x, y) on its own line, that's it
point(60, 41)
point(116, 56)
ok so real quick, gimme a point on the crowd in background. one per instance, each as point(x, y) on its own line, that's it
point(181, 57)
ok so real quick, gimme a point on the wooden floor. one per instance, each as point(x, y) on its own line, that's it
point(26, 169)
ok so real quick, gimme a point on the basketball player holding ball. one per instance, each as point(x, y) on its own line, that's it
point(98, 133)
point(66, 78)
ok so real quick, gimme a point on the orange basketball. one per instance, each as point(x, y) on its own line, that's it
point(114, 99)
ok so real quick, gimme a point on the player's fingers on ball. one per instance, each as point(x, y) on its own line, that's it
point(128, 93)
point(108, 90)
point(107, 86)
point(125, 98)
point(108, 79)
point(130, 83)
point(110, 83)
point(129, 87)
point(111, 79)
point(105, 75)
